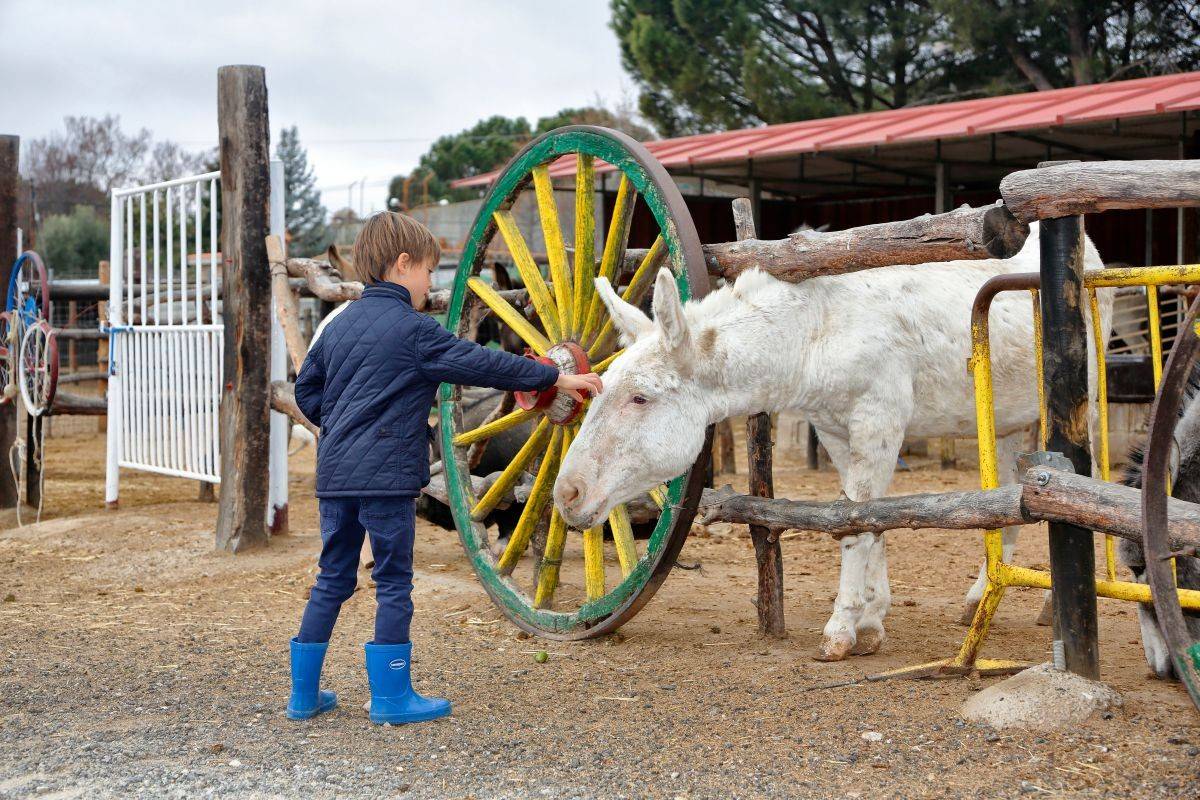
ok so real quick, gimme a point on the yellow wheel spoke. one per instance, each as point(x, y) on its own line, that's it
point(551, 561)
point(659, 495)
point(508, 478)
point(622, 531)
point(530, 274)
point(513, 318)
point(606, 363)
point(614, 248)
point(585, 238)
point(510, 420)
point(643, 279)
point(556, 251)
point(538, 497)
point(593, 562)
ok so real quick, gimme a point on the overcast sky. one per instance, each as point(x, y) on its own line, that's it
point(370, 84)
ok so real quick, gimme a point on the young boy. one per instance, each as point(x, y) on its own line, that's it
point(369, 382)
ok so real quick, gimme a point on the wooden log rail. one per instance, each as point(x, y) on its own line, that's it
point(965, 233)
point(1088, 187)
point(1043, 495)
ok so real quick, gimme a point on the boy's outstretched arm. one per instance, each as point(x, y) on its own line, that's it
point(310, 384)
point(445, 358)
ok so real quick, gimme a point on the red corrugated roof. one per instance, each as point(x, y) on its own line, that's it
point(1014, 112)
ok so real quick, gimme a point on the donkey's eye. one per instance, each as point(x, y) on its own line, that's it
point(639, 399)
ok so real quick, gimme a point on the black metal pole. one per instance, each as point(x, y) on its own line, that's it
point(1065, 371)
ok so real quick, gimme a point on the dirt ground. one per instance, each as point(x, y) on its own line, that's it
point(137, 661)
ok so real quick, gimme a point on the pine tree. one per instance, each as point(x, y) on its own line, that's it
point(305, 214)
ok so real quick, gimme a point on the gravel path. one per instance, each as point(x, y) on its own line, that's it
point(136, 662)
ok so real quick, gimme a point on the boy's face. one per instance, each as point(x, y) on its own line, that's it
point(416, 277)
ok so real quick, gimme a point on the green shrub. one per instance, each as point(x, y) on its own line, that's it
point(73, 245)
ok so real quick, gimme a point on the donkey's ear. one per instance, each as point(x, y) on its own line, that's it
point(628, 319)
point(668, 310)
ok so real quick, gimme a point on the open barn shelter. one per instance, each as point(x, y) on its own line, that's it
point(897, 164)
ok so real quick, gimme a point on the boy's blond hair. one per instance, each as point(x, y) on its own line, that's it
point(384, 237)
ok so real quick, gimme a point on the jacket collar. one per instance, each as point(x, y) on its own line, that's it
point(388, 289)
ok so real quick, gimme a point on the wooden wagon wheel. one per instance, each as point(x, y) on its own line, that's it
point(1163, 417)
point(561, 587)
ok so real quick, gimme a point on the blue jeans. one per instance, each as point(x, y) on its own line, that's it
point(391, 522)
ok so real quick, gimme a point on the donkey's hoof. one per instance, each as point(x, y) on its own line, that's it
point(834, 648)
point(869, 640)
point(968, 613)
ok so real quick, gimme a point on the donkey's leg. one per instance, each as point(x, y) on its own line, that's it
point(1007, 448)
point(867, 462)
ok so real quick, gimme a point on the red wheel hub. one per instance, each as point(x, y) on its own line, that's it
point(559, 408)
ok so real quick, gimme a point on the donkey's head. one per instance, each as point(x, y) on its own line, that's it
point(648, 425)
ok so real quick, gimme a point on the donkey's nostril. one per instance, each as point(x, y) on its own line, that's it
point(568, 491)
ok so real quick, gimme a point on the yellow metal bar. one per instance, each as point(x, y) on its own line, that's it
point(968, 652)
point(1142, 276)
point(643, 279)
point(513, 318)
point(531, 276)
point(622, 531)
point(539, 495)
point(593, 562)
point(1110, 552)
point(585, 239)
point(614, 249)
point(1043, 431)
point(1114, 590)
point(1155, 323)
point(508, 478)
point(556, 251)
point(509, 420)
point(600, 366)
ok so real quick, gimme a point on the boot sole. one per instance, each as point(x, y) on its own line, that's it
point(401, 719)
point(302, 715)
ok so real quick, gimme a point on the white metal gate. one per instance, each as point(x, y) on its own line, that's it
point(166, 353)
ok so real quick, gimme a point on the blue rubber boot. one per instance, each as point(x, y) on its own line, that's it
point(307, 698)
point(392, 697)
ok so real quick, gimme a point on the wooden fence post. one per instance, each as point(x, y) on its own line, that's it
point(102, 344)
point(1065, 377)
point(10, 184)
point(767, 550)
point(246, 392)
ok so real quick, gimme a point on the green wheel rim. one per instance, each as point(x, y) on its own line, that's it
point(609, 600)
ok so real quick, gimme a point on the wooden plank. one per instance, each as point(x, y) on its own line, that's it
point(244, 135)
point(10, 183)
point(1070, 188)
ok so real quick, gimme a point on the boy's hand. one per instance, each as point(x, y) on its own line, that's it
point(576, 385)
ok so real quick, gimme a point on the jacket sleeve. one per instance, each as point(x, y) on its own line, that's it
point(310, 383)
point(444, 358)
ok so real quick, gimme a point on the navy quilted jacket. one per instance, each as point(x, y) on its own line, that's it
point(369, 381)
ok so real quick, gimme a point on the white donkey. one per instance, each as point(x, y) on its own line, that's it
point(868, 357)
